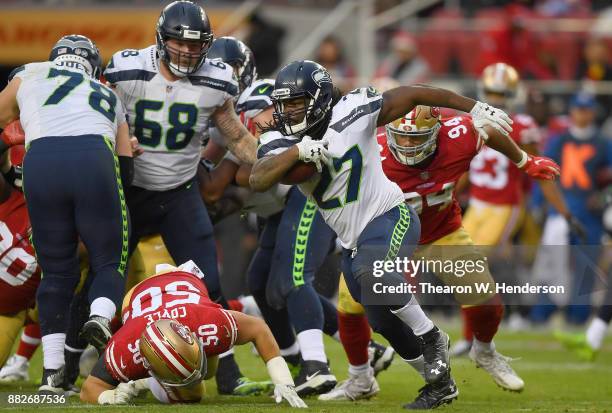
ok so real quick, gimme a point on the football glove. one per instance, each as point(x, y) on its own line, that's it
point(539, 167)
point(13, 134)
point(287, 392)
point(122, 394)
point(314, 151)
point(486, 115)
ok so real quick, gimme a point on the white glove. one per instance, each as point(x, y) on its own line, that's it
point(122, 394)
point(314, 151)
point(486, 115)
point(284, 391)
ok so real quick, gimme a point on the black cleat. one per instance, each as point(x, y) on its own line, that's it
point(97, 332)
point(434, 345)
point(53, 382)
point(435, 395)
point(380, 356)
point(314, 378)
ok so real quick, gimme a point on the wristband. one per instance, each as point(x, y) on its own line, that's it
point(279, 372)
point(523, 161)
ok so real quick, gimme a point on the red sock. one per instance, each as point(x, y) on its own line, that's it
point(484, 319)
point(235, 305)
point(467, 329)
point(355, 336)
point(29, 341)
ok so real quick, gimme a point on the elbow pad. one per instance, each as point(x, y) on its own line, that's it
point(126, 169)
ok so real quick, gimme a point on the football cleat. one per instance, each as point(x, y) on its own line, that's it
point(244, 386)
point(356, 387)
point(576, 343)
point(53, 382)
point(314, 378)
point(15, 369)
point(497, 366)
point(380, 356)
point(460, 349)
point(88, 360)
point(434, 346)
point(97, 331)
point(435, 394)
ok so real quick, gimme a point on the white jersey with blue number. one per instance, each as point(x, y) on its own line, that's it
point(57, 100)
point(169, 118)
point(354, 190)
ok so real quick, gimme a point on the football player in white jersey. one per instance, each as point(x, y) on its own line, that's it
point(313, 123)
point(171, 91)
point(74, 128)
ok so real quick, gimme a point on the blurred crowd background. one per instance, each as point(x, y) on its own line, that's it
point(561, 48)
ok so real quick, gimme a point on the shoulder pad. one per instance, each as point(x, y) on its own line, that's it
point(131, 64)
point(216, 74)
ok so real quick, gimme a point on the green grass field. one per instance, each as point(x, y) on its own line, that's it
point(555, 382)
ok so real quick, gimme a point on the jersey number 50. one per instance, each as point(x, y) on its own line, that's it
point(16, 264)
point(189, 295)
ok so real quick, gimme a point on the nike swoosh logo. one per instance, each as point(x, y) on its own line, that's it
point(308, 377)
point(262, 89)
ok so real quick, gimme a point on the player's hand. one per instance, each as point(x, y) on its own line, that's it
point(283, 391)
point(540, 167)
point(314, 151)
point(136, 148)
point(486, 115)
point(125, 392)
point(13, 134)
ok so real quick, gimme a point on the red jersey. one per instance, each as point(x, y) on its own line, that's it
point(430, 190)
point(19, 272)
point(493, 177)
point(180, 296)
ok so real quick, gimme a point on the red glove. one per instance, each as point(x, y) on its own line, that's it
point(13, 134)
point(539, 167)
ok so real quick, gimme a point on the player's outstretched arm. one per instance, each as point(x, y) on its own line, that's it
point(239, 140)
point(9, 109)
point(269, 170)
point(256, 331)
point(401, 100)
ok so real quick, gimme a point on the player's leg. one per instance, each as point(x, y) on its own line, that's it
point(54, 236)
point(101, 217)
point(17, 366)
point(302, 243)
point(10, 325)
point(258, 273)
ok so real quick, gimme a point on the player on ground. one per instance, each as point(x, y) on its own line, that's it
point(178, 354)
point(313, 123)
point(171, 91)
point(72, 124)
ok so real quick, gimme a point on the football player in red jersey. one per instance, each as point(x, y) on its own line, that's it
point(145, 349)
point(426, 157)
point(19, 272)
point(497, 187)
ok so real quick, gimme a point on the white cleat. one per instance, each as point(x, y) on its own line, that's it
point(497, 366)
point(356, 387)
point(460, 349)
point(15, 369)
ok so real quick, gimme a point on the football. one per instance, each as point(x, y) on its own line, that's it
point(300, 172)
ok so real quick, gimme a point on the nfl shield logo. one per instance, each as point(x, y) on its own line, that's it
point(424, 175)
point(168, 89)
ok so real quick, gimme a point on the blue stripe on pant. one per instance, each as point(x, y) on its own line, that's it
point(180, 217)
point(395, 234)
point(73, 191)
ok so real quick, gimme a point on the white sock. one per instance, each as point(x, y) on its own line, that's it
point(291, 350)
point(311, 345)
point(596, 332)
point(360, 370)
point(418, 364)
point(336, 336)
point(227, 353)
point(482, 346)
point(53, 350)
point(413, 316)
point(103, 307)
point(158, 391)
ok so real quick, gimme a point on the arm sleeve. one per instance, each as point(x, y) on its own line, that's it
point(99, 370)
